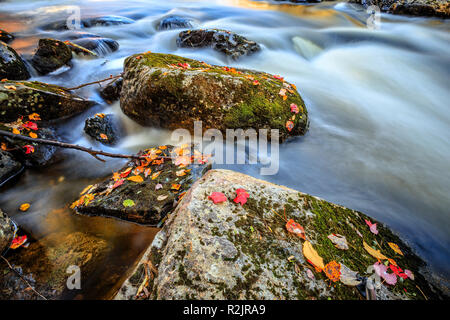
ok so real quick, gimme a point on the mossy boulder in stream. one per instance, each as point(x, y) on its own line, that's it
point(11, 64)
point(103, 127)
point(21, 98)
point(169, 91)
point(233, 251)
point(143, 191)
point(51, 55)
point(427, 8)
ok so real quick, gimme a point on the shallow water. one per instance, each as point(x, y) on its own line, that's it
point(379, 138)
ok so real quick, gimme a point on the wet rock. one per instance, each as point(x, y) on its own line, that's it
point(7, 230)
point(100, 46)
point(111, 92)
point(45, 264)
point(169, 91)
point(51, 55)
point(232, 251)
point(174, 22)
point(9, 167)
point(90, 22)
point(103, 128)
point(79, 50)
point(6, 36)
point(146, 202)
point(11, 64)
point(428, 8)
point(227, 42)
point(21, 98)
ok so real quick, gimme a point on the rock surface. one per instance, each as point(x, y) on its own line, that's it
point(101, 46)
point(227, 42)
point(111, 92)
point(229, 251)
point(51, 55)
point(429, 8)
point(103, 128)
point(6, 36)
point(169, 91)
point(7, 230)
point(90, 22)
point(146, 201)
point(11, 64)
point(9, 167)
point(21, 98)
point(174, 22)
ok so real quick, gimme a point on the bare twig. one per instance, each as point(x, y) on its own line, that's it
point(20, 276)
point(94, 153)
point(99, 81)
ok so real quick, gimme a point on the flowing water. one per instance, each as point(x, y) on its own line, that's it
point(379, 138)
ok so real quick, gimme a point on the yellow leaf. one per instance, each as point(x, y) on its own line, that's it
point(15, 131)
point(34, 116)
point(155, 175)
point(10, 87)
point(24, 206)
point(395, 248)
point(136, 179)
point(176, 186)
point(85, 189)
point(103, 136)
point(33, 135)
point(311, 254)
point(374, 253)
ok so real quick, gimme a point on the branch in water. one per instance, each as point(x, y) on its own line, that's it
point(94, 153)
point(99, 81)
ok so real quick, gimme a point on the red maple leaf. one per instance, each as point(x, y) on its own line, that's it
point(295, 228)
point(241, 197)
point(30, 125)
point(28, 149)
point(217, 197)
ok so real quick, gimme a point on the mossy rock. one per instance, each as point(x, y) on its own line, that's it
point(426, 8)
point(7, 231)
point(21, 98)
point(146, 202)
point(233, 251)
point(9, 167)
point(169, 91)
point(11, 64)
point(51, 55)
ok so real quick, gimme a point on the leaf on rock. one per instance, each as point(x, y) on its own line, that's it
point(289, 125)
point(374, 253)
point(28, 149)
point(118, 183)
point(155, 175)
point(33, 135)
point(162, 197)
point(372, 226)
point(295, 228)
point(137, 179)
point(339, 241)
point(241, 197)
point(333, 271)
point(18, 241)
point(217, 197)
point(381, 270)
point(176, 186)
point(349, 277)
point(395, 248)
point(128, 203)
point(313, 257)
point(294, 108)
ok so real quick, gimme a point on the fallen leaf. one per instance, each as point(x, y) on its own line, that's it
point(395, 248)
point(349, 277)
point(294, 108)
point(217, 197)
point(30, 125)
point(374, 253)
point(118, 183)
point(34, 116)
point(372, 226)
point(128, 203)
point(410, 274)
point(28, 149)
point(162, 197)
point(11, 88)
point(125, 172)
point(33, 135)
point(18, 241)
point(155, 175)
point(339, 241)
point(103, 136)
point(310, 274)
point(15, 131)
point(295, 228)
point(241, 197)
point(158, 186)
point(137, 179)
point(181, 173)
point(398, 271)
point(175, 186)
point(24, 207)
point(289, 125)
point(381, 270)
point(333, 271)
point(313, 257)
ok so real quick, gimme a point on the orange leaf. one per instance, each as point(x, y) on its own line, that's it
point(155, 175)
point(33, 135)
point(137, 179)
point(395, 248)
point(311, 254)
point(176, 186)
point(15, 131)
point(24, 207)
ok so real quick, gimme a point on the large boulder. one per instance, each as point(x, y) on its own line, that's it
point(103, 127)
point(169, 91)
point(111, 92)
point(144, 191)
point(9, 167)
point(233, 251)
point(11, 64)
point(6, 36)
point(224, 41)
point(7, 231)
point(430, 8)
point(51, 55)
point(21, 98)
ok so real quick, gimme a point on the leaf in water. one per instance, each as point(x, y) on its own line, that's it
point(295, 228)
point(333, 271)
point(372, 226)
point(18, 241)
point(313, 257)
point(24, 207)
point(128, 203)
point(339, 241)
point(374, 253)
point(395, 248)
point(137, 179)
point(217, 197)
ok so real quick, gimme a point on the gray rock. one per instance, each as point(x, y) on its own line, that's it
point(11, 64)
point(103, 124)
point(111, 92)
point(51, 55)
point(7, 230)
point(9, 167)
point(227, 42)
point(174, 22)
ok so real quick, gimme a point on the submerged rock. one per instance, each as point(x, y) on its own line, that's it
point(169, 91)
point(11, 64)
point(174, 22)
point(6, 36)
point(234, 251)
point(7, 231)
point(90, 22)
point(103, 128)
point(51, 55)
point(227, 42)
point(9, 167)
point(21, 98)
point(100, 46)
point(142, 191)
point(428, 8)
point(111, 92)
